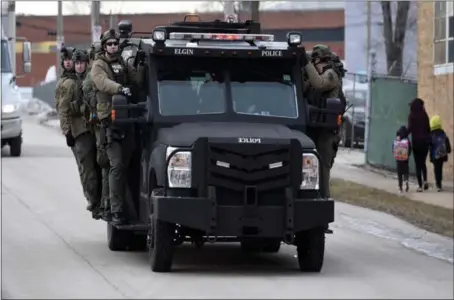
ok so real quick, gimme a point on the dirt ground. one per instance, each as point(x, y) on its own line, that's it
point(426, 216)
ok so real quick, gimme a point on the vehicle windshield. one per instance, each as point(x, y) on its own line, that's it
point(263, 87)
point(6, 62)
point(194, 87)
point(356, 98)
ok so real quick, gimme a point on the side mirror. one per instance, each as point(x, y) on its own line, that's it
point(119, 108)
point(26, 57)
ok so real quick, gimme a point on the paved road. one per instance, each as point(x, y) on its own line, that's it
point(53, 249)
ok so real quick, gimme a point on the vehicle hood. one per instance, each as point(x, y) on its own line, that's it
point(186, 134)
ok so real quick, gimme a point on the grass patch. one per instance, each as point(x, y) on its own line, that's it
point(426, 216)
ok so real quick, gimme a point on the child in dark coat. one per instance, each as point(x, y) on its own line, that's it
point(402, 151)
point(440, 147)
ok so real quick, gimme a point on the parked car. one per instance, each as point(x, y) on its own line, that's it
point(353, 125)
point(11, 124)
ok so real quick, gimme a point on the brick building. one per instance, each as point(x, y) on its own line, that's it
point(325, 26)
point(436, 65)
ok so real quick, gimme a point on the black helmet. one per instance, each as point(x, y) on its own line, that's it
point(94, 49)
point(67, 52)
point(109, 35)
point(80, 55)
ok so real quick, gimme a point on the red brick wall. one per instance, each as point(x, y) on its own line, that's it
point(77, 30)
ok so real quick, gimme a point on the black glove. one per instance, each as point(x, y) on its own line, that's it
point(70, 141)
point(140, 56)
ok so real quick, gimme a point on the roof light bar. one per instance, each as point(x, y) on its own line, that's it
point(221, 36)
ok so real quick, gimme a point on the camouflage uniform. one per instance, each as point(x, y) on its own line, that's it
point(73, 123)
point(102, 159)
point(110, 76)
point(329, 85)
point(66, 53)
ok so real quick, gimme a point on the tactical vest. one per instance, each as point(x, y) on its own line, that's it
point(318, 98)
point(118, 69)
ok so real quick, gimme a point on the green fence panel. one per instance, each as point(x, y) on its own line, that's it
point(389, 110)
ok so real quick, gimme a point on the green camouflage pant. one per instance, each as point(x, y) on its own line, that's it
point(79, 169)
point(326, 143)
point(119, 151)
point(85, 149)
point(103, 162)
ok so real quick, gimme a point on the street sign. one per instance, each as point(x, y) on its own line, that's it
point(60, 42)
point(96, 33)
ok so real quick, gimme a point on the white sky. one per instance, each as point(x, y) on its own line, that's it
point(132, 7)
point(125, 7)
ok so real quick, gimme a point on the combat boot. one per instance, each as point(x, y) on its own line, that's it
point(117, 219)
point(107, 216)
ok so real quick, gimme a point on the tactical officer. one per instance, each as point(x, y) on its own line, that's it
point(67, 73)
point(325, 82)
point(111, 75)
point(102, 159)
point(77, 132)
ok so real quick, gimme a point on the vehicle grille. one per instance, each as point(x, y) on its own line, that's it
point(232, 167)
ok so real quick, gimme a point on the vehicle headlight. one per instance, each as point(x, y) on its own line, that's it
point(310, 170)
point(179, 168)
point(9, 108)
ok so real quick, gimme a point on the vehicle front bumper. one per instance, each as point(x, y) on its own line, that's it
point(11, 127)
point(265, 221)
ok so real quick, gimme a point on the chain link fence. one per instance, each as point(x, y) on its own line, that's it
point(389, 109)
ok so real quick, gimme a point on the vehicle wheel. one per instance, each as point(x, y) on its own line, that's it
point(161, 248)
point(272, 246)
point(344, 136)
point(310, 246)
point(251, 246)
point(118, 240)
point(15, 146)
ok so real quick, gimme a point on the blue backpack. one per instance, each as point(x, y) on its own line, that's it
point(439, 146)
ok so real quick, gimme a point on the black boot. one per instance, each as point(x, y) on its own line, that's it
point(90, 206)
point(107, 216)
point(117, 219)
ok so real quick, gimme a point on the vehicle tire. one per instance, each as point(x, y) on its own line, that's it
point(346, 142)
point(161, 248)
point(15, 146)
point(310, 247)
point(118, 240)
point(271, 246)
point(251, 246)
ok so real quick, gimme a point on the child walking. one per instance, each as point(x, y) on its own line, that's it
point(440, 147)
point(402, 151)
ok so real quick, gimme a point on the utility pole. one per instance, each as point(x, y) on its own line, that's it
point(112, 20)
point(369, 54)
point(12, 33)
point(368, 34)
point(60, 37)
point(229, 12)
point(96, 21)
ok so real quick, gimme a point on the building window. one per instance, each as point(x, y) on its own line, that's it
point(443, 32)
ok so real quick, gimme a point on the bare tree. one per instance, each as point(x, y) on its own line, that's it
point(76, 7)
point(395, 35)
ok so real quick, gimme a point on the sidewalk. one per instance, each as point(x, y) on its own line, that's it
point(349, 165)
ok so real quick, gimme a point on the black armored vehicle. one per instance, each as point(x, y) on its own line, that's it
point(224, 152)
